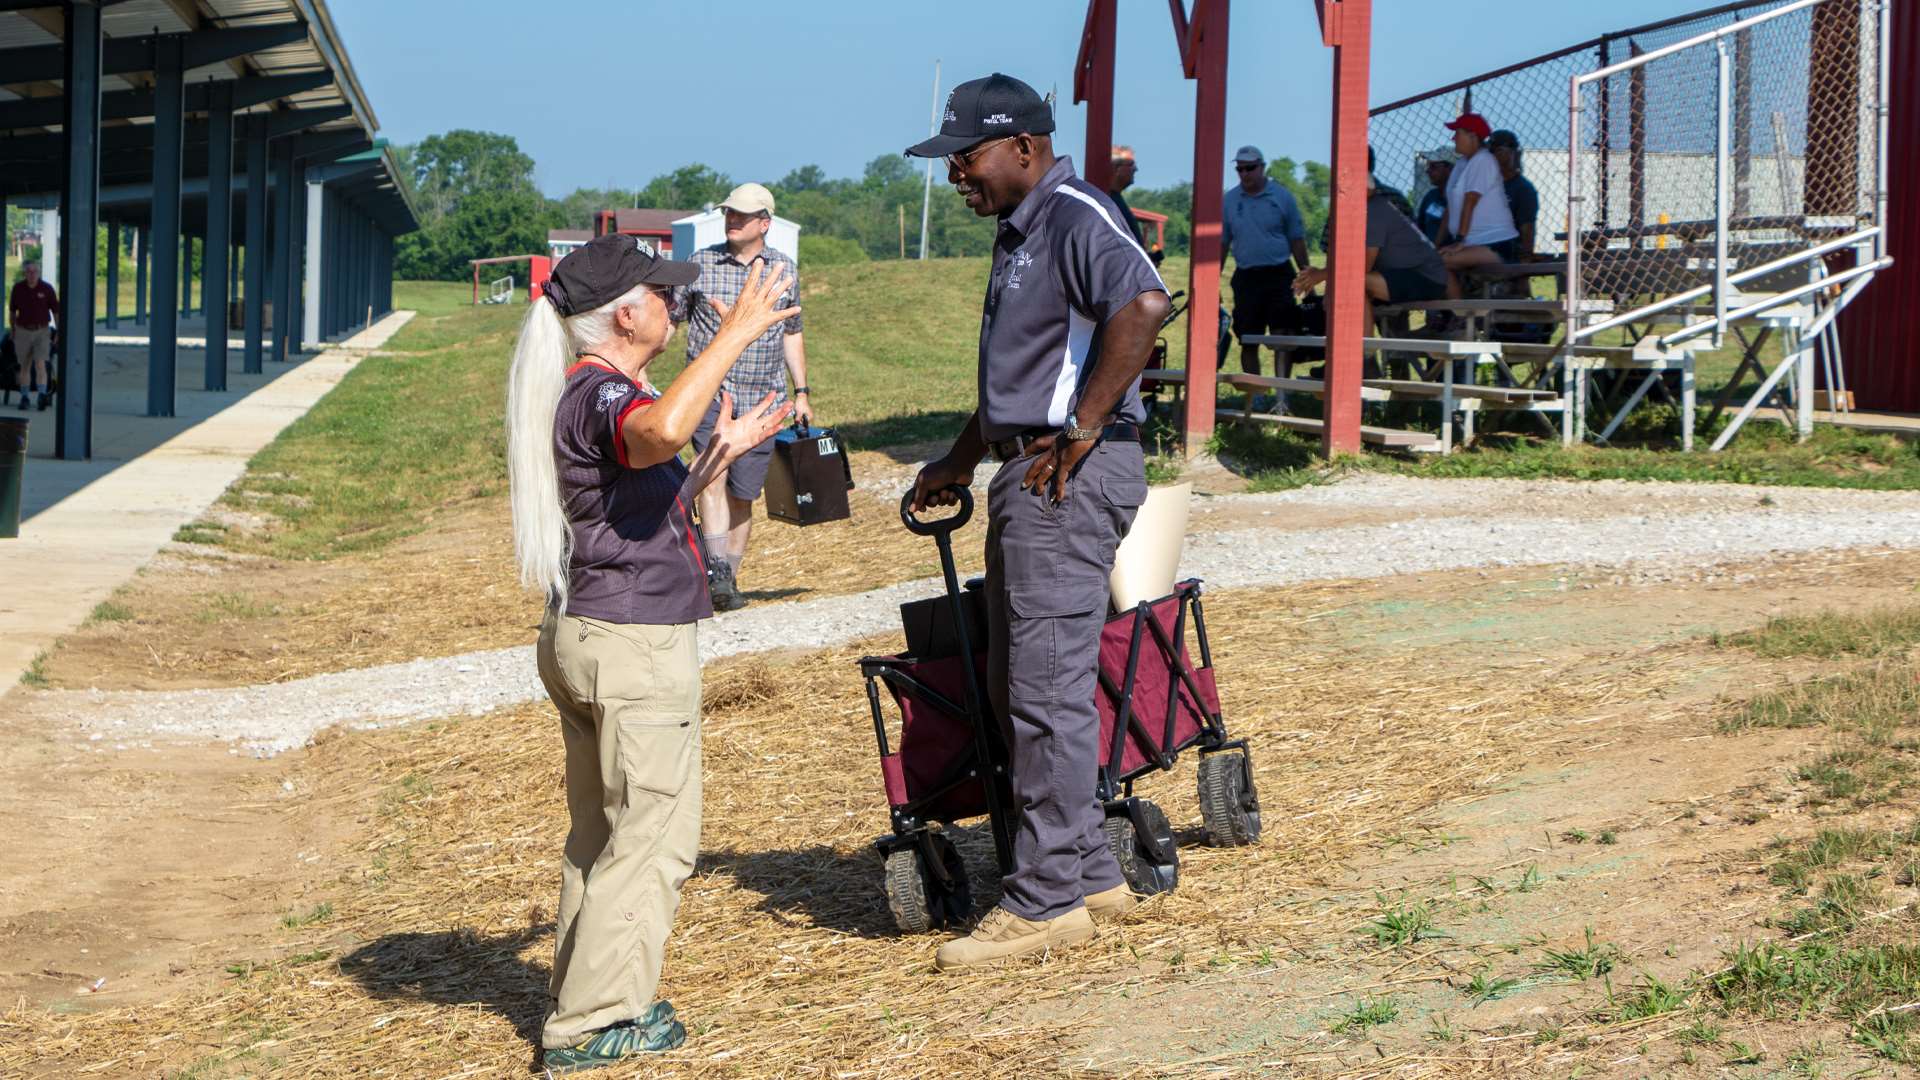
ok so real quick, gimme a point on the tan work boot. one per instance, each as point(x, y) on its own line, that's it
point(1002, 935)
point(1110, 904)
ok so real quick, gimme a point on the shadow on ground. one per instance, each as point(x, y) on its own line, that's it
point(842, 890)
point(459, 967)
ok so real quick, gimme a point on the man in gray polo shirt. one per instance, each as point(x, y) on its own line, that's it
point(1072, 307)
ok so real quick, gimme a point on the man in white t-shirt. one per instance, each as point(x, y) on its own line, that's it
point(1480, 228)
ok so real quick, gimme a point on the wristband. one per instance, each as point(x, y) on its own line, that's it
point(798, 390)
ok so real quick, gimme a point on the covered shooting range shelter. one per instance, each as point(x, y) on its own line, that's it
point(236, 123)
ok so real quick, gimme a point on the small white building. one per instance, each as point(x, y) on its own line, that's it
point(708, 228)
point(563, 242)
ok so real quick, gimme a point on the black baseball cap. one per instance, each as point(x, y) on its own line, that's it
point(1505, 138)
point(606, 267)
point(988, 108)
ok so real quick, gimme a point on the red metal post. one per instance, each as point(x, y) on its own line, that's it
point(1203, 47)
point(1347, 25)
point(1093, 84)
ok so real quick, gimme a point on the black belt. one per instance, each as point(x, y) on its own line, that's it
point(1008, 449)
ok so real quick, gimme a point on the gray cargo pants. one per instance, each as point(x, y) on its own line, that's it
point(1047, 570)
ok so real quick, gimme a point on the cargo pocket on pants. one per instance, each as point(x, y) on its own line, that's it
point(1033, 634)
point(655, 758)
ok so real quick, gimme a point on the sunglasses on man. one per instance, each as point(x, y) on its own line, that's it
point(959, 160)
point(1246, 166)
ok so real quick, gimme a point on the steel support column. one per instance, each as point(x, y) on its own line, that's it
point(282, 286)
point(297, 332)
point(80, 203)
point(1203, 45)
point(255, 292)
point(214, 296)
point(169, 121)
point(1347, 26)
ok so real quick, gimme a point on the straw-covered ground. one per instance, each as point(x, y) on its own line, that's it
point(1524, 821)
point(1479, 859)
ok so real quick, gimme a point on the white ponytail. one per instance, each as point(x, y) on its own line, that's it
point(542, 538)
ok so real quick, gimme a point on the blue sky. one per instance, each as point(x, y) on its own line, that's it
point(613, 92)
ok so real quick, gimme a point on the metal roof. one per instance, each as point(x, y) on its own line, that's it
point(319, 54)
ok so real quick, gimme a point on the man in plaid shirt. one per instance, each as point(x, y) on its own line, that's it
point(726, 508)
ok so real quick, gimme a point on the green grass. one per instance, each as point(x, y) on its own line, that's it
point(1832, 634)
point(1590, 961)
point(891, 352)
point(227, 606)
point(402, 436)
point(1401, 924)
point(1366, 1014)
point(1484, 987)
point(296, 920)
point(1650, 998)
point(1873, 700)
point(109, 611)
point(36, 673)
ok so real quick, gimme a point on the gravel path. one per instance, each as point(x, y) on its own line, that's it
point(1668, 530)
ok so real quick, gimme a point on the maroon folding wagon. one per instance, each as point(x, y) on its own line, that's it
point(948, 761)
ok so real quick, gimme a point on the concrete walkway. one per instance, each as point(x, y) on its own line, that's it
point(88, 526)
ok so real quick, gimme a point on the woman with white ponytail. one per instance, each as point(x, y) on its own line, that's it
point(601, 523)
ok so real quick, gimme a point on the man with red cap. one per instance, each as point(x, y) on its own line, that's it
point(1480, 228)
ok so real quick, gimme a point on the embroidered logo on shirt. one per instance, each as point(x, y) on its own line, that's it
point(1020, 260)
point(611, 392)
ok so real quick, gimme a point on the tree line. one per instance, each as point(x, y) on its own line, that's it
point(477, 198)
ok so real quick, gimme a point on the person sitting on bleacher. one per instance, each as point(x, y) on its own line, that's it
point(1522, 197)
point(1402, 265)
point(1432, 213)
point(1394, 196)
point(1480, 227)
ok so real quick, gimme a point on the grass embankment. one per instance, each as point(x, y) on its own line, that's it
point(418, 428)
point(891, 353)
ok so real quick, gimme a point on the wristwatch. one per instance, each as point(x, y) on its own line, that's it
point(798, 390)
point(1073, 432)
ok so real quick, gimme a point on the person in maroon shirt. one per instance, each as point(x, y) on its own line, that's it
point(31, 308)
point(602, 523)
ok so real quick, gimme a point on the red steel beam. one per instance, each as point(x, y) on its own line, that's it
point(1093, 84)
point(1347, 26)
point(1203, 49)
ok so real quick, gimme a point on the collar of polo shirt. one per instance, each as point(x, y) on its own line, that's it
point(1021, 218)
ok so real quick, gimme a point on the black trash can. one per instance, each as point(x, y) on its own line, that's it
point(13, 466)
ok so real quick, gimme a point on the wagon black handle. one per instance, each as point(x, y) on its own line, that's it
point(941, 526)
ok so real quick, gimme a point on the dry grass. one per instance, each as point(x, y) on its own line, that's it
point(784, 959)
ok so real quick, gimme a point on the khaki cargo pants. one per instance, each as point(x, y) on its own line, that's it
point(629, 702)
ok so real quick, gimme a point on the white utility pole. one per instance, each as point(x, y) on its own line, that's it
point(926, 197)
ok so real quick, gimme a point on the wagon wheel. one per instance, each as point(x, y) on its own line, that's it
point(1228, 803)
point(918, 899)
point(1143, 873)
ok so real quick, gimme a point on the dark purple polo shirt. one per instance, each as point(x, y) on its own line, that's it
point(1063, 264)
point(636, 552)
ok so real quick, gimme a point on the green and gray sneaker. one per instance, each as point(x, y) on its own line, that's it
point(652, 1033)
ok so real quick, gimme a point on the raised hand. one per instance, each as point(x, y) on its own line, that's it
point(735, 435)
point(755, 312)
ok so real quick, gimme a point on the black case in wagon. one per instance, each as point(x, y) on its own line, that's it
point(809, 477)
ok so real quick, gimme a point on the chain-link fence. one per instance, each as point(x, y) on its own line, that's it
point(1670, 157)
